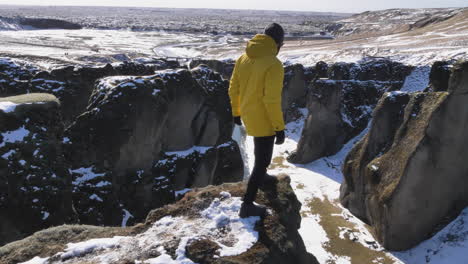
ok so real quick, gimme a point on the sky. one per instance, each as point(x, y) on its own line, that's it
point(350, 6)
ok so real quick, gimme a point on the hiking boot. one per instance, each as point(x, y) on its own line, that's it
point(250, 209)
point(268, 181)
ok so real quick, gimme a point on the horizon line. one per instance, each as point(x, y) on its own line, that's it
point(236, 9)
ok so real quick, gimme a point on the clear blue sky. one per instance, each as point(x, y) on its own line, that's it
point(301, 5)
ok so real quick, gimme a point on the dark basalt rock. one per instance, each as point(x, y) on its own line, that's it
point(294, 91)
point(35, 188)
point(148, 136)
point(48, 23)
point(439, 76)
point(223, 67)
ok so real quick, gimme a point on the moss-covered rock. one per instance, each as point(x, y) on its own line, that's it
point(408, 180)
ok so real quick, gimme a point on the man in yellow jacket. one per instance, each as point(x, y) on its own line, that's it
point(255, 92)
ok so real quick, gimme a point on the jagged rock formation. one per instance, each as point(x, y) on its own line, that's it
point(148, 136)
point(278, 240)
point(224, 67)
point(48, 23)
point(34, 183)
point(137, 141)
point(14, 76)
point(72, 85)
point(409, 172)
point(294, 91)
point(340, 107)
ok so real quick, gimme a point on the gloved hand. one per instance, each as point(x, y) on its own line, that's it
point(237, 120)
point(280, 137)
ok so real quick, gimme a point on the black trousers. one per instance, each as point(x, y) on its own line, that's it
point(263, 150)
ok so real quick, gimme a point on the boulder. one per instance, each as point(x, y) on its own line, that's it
point(203, 227)
point(408, 174)
point(34, 181)
point(338, 111)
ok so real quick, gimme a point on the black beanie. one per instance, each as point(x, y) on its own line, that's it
point(275, 31)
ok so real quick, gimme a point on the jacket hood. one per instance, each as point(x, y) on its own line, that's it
point(260, 46)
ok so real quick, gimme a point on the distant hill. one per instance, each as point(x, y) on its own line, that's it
point(214, 21)
point(384, 22)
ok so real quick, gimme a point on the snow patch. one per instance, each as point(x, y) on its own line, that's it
point(219, 223)
point(74, 250)
point(127, 215)
point(8, 107)
point(418, 80)
point(14, 136)
point(187, 152)
point(87, 174)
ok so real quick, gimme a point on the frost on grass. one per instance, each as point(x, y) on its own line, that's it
point(218, 223)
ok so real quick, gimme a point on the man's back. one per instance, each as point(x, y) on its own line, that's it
point(256, 87)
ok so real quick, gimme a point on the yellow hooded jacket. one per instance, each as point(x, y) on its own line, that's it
point(256, 86)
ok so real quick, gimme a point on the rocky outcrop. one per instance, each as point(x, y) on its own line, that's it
point(294, 91)
point(376, 69)
point(340, 109)
point(48, 23)
point(148, 136)
point(203, 227)
point(408, 174)
point(137, 141)
point(35, 189)
point(439, 76)
point(73, 85)
point(223, 67)
point(14, 76)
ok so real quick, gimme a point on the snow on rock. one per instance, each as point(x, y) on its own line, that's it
point(87, 174)
point(127, 215)
point(219, 222)
point(79, 249)
point(448, 246)
point(417, 80)
point(36, 260)
point(14, 136)
point(7, 107)
point(203, 227)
